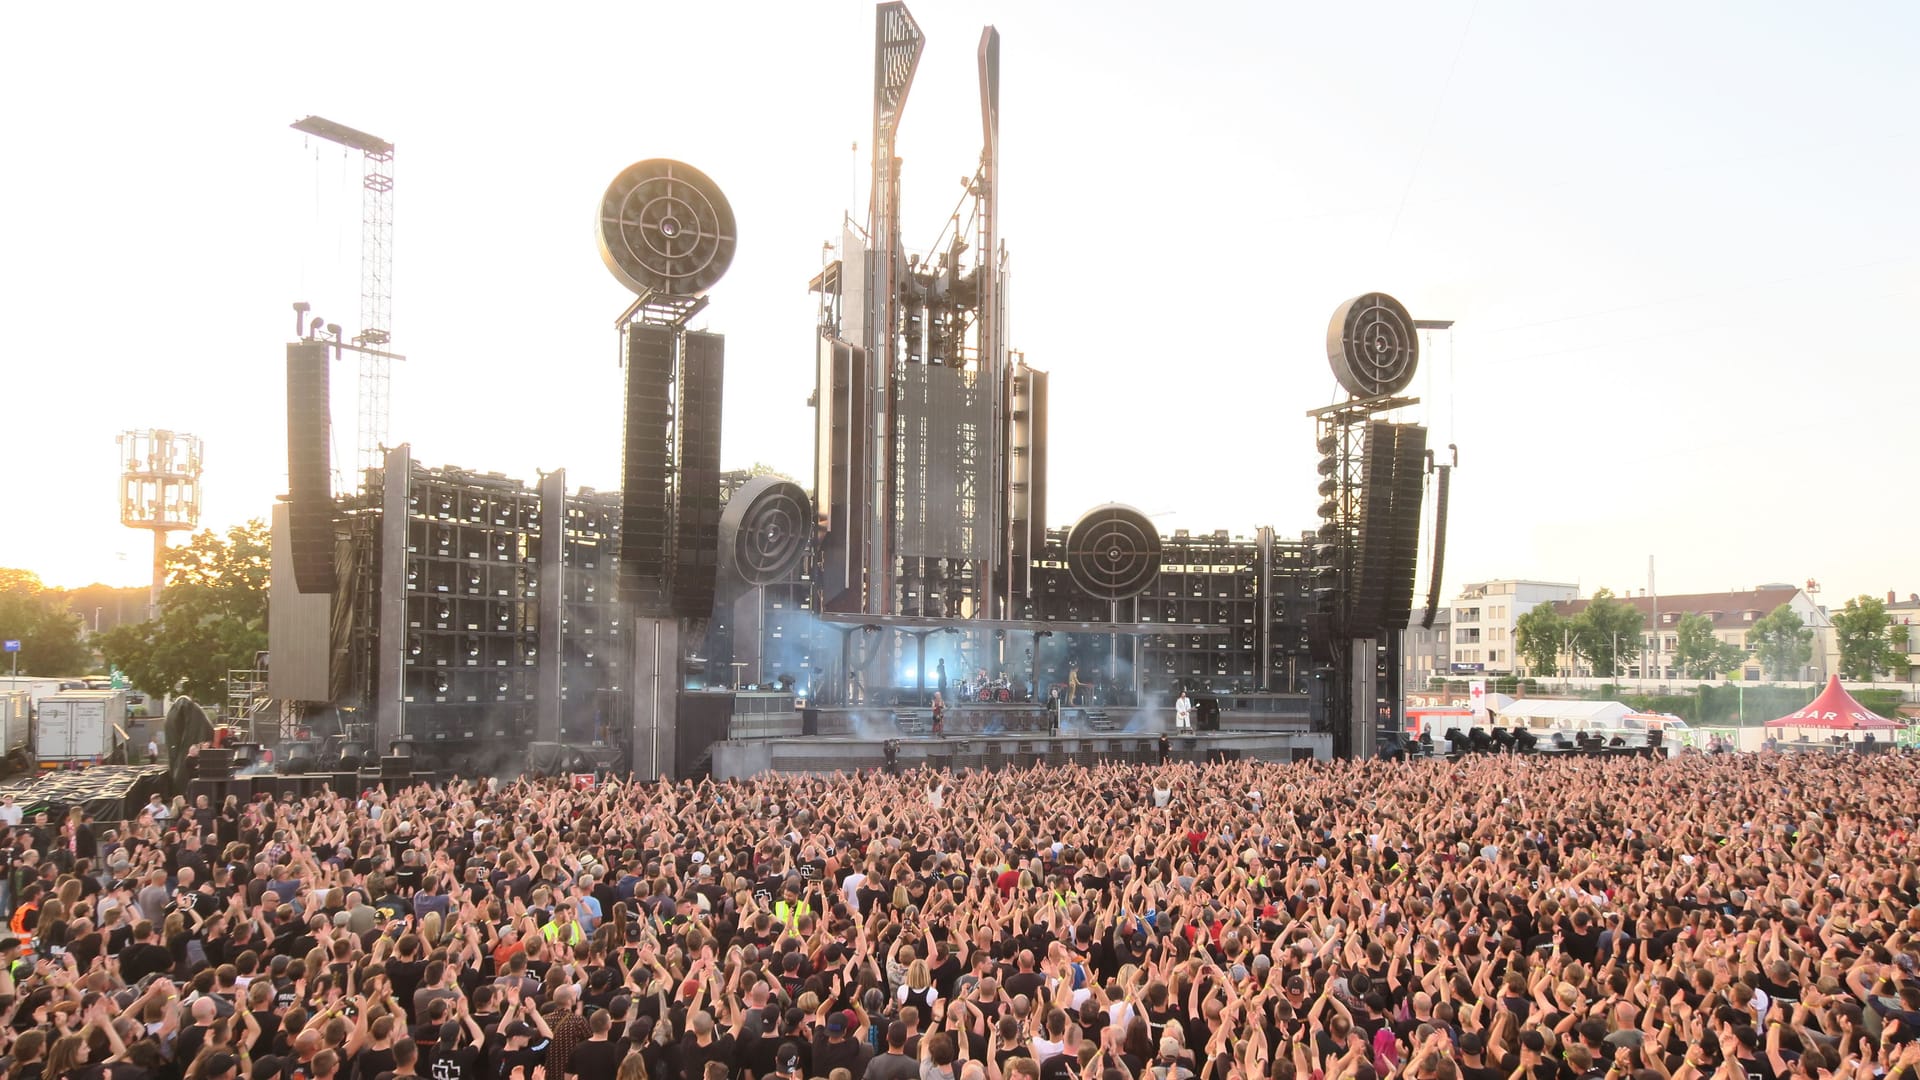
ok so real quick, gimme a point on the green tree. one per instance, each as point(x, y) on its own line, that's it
point(1783, 642)
point(1537, 637)
point(1604, 626)
point(37, 617)
point(213, 617)
point(1867, 638)
point(1698, 653)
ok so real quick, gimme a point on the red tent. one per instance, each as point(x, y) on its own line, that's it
point(1835, 710)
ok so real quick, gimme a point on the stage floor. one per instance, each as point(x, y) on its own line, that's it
point(817, 754)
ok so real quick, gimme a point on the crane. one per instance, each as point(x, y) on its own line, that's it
point(376, 283)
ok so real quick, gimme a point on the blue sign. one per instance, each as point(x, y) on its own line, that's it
point(12, 646)
point(1459, 667)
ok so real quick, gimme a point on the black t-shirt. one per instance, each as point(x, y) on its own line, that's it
point(695, 1056)
point(371, 1063)
point(405, 975)
point(759, 1055)
point(534, 1054)
point(597, 1060)
point(461, 1064)
point(143, 959)
point(829, 1055)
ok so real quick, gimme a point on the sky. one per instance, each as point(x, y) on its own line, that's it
point(1679, 242)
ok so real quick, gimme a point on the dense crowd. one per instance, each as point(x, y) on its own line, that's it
point(1739, 917)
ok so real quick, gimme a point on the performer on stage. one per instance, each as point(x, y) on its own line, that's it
point(940, 675)
point(1183, 715)
point(939, 715)
point(1073, 685)
point(1053, 713)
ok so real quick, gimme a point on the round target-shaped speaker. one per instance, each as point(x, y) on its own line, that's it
point(665, 227)
point(1373, 346)
point(1113, 552)
point(764, 531)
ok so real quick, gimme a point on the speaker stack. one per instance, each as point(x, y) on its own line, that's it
point(668, 234)
point(310, 466)
point(474, 546)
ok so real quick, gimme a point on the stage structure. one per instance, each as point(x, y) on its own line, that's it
point(667, 233)
point(1372, 481)
point(930, 463)
point(488, 624)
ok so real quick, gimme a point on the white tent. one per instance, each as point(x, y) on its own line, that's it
point(1552, 714)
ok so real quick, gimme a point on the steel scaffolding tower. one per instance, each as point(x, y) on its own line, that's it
point(376, 283)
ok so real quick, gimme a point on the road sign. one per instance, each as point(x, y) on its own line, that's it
point(12, 646)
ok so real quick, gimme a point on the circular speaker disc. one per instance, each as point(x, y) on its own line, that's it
point(1113, 552)
point(665, 226)
point(764, 531)
point(1373, 346)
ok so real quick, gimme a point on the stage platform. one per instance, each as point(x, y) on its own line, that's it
point(736, 759)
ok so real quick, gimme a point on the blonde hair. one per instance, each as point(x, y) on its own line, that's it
point(918, 977)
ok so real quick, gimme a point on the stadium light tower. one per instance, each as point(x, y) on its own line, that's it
point(160, 492)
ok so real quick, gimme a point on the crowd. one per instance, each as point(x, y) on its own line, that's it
point(1749, 917)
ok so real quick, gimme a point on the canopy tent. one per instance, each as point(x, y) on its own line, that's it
point(1835, 710)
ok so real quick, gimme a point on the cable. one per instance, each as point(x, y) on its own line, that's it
point(1427, 136)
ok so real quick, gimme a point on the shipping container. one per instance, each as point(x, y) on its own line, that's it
point(83, 726)
point(16, 709)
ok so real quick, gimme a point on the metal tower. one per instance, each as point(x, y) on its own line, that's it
point(376, 283)
point(159, 491)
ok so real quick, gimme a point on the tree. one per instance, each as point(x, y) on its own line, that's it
point(37, 617)
point(213, 617)
point(1870, 643)
point(761, 468)
point(1698, 653)
point(1600, 629)
point(1782, 641)
point(1537, 637)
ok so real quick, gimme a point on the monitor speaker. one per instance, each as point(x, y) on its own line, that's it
point(309, 466)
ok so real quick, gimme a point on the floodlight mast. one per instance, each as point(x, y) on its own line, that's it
point(376, 283)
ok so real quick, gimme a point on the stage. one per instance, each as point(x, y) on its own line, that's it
point(736, 759)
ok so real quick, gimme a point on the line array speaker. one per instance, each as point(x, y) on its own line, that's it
point(1367, 589)
point(310, 466)
point(697, 450)
point(1392, 467)
point(644, 539)
point(839, 496)
point(1403, 547)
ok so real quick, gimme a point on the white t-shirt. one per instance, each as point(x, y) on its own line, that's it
point(11, 815)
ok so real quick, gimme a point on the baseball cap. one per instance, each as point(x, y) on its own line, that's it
point(519, 1029)
point(838, 1022)
point(221, 1063)
point(269, 1067)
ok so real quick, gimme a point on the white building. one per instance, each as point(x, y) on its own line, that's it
point(1483, 617)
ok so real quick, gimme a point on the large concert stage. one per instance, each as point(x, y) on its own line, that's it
point(739, 758)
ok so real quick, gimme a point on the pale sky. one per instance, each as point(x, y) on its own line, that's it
point(1679, 241)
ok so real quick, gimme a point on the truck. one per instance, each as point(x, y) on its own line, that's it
point(80, 727)
point(16, 709)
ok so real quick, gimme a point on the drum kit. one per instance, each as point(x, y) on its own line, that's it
point(989, 690)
